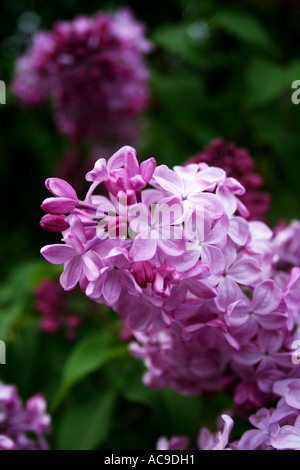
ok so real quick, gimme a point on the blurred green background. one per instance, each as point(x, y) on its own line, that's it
point(218, 69)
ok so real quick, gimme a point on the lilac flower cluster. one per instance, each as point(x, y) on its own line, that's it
point(50, 301)
point(94, 70)
point(277, 427)
point(17, 421)
point(287, 243)
point(206, 440)
point(202, 289)
point(273, 428)
point(238, 163)
point(239, 344)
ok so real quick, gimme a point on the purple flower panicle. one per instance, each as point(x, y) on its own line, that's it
point(276, 428)
point(94, 70)
point(238, 163)
point(50, 300)
point(19, 422)
point(200, 287)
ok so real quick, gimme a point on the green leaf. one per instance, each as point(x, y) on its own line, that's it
point(243, 26)
point(9, 318)
point(181, 413)
point(134, 390)
point(86, 426)
point(266, 82)
point(293, 72)
point(86, 357)
point(126, 375)
point(180, 97)
point(16, 293)
point(176, 39)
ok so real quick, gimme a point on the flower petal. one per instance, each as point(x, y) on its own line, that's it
point(168, 180)
point(58, 253)
point(142, 250)
point(266, 297)
point(72, 273)
point(61, 188)
point(111, 287)
point(287, 438)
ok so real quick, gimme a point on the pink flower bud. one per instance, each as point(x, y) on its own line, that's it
point(54, 223)
point(143, 273)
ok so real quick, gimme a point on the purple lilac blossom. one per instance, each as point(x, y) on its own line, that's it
point(50, 300)
point(201, 290)
point(287, 244)
point(94, 70)
point(18, 423)
point(175, 443)
point(238, 163)
point(273, 428)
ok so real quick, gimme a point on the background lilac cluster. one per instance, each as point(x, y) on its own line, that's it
point(18, 423)
point(94, 70)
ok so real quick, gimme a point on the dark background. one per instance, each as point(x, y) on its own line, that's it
point(218, 69)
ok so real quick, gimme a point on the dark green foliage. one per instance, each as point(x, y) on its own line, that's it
point(215, 71)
